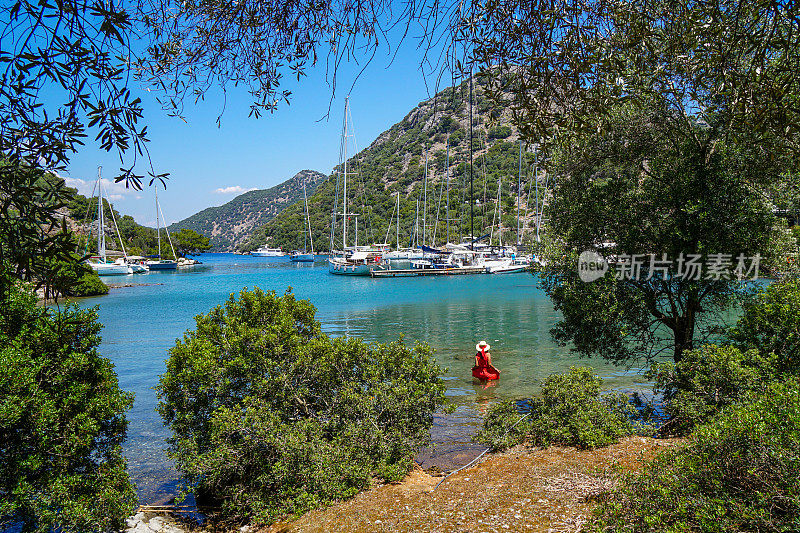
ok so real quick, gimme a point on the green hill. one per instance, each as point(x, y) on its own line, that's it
point(231, 224)
point(80, 212)
point(395, 162)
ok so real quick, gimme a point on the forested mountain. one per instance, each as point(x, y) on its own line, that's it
point(395, 162)
point(81, 216)
point(232, 224)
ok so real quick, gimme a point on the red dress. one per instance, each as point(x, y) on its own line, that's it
point(484, 371)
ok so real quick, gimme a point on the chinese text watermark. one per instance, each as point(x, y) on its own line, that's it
point(691, 267)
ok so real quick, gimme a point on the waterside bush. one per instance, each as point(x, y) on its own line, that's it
point(771, 324)
point(74, 278)
point(706, 380)
point(62, 421)
point(738, 472)
point(571, 410)
point(271, 417)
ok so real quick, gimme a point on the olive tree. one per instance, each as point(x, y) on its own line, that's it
point(684, 232)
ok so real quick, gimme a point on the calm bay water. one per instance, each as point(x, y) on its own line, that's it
point(142, 321)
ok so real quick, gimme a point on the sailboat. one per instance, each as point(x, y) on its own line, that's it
point(161, 264)
point(360, 260)
point(305, 256)
point(103, 267)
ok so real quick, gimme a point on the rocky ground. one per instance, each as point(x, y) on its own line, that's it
point(522, 490)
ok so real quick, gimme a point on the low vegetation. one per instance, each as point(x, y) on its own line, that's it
point(271, 417)
point(771, 325)
point(739, 472)
point(75, 278)
point(707, 380)
point(62, 421)
point(571, 410)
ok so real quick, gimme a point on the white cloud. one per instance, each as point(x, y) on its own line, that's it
point(111, 190)
point(234, 189)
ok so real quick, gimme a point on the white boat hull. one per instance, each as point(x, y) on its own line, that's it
point(110, 269)
point(267, 252)
point(344, 268)
point(301, 258)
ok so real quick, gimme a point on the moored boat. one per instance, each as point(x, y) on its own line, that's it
point(305, 256)
point(162, 264)
point(301, 257)
point(110, 269)
point(264, 251)
point(156, 262)
point(102, 265)
point(358, 263)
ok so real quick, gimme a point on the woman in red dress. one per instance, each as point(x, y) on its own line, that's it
point(483, 369)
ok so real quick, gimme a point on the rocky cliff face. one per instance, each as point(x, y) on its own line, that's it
point(233, 223)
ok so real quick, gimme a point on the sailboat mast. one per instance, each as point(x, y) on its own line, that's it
point(447, 180)
point(101, 236)
point(500, 210)
point(519, 191)
point(398, 221)
point(425, 204)
point(416, 226)
point(158, 225)
point(308, 219)
point(536, 182)
point(344, 206)
point(471, 191)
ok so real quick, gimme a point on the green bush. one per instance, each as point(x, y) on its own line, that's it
point(771, 324)
point(570, 410)
point(740, 472)
point(500, 132)
point(271, 417)
point(75, 278)
point(706, 380)
point(62, 421)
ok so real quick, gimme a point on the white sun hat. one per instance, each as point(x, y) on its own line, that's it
point(481, 345)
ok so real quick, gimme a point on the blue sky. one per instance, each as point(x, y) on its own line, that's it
point(210, 165)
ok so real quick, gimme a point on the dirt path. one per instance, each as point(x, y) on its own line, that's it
point(523, 490)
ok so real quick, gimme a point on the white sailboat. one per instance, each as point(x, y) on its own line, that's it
point(162, 264)
point(305, 256)
point(103, 267)
point(352, 261)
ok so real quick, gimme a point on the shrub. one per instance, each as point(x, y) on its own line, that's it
point(500, 132)
point(771, 324)
point(62, 422)
point(271, 417)
point(570, 411)
point(74, 278)
point(705, 381)
point(740, 472)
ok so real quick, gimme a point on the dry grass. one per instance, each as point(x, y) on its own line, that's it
point(524, 489)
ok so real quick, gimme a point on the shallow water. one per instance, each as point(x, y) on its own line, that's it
point(451, 313)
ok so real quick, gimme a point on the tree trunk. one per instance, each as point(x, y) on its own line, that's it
point(684, 333)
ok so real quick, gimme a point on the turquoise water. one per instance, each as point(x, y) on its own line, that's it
point(451, 313)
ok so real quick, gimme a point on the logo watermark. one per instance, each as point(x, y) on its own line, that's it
point(591, 266)
point(692, 267)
